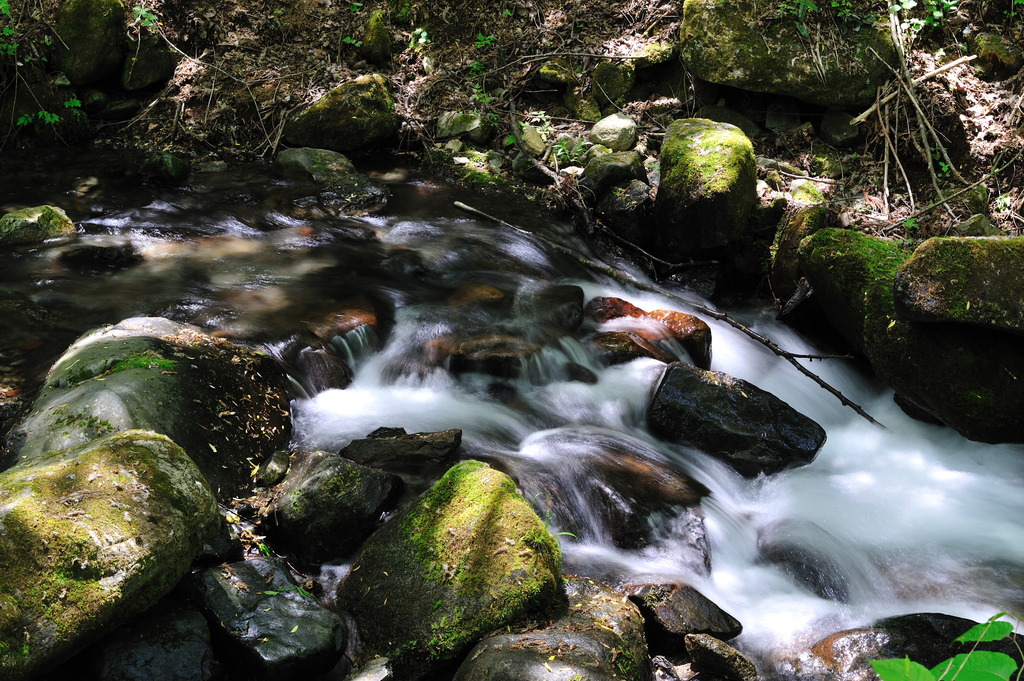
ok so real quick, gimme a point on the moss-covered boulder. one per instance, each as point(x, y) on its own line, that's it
point(358, 113)
point(30, 225)
point(743, 43)
point(708, 178)
point(599, 637)
point(964, 281)
point(963, 376)
point(223, 403)
point(92, 536)
point(469, 556)
point(89, 34)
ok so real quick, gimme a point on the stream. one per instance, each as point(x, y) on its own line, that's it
point(909, 518)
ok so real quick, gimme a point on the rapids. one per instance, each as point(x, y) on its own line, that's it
point(906, 518)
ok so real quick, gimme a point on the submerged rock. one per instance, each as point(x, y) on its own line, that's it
point(733, 420)
point(277, 630)
point(223, 403)
point(92, 536)
point(468, 557)
point(599, 637)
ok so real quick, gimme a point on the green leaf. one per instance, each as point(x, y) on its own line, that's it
point(986, 631)
point(978, 665)
point(901, 670)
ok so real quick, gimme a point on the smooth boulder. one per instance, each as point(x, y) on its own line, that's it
point(733, 420)
point(92, 536)
point(469, 556)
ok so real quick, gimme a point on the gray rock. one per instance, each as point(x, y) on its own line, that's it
point(394, 448)
point(599, 638)
point(733, 420)
point(276, 629)
point(328, 505)
point(170, 645)
point(30, 225)
point(617, 132)
point(835, 129)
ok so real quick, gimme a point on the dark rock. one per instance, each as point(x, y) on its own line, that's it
point(394, 448)
point(671, 611)
point(707, 191)
point(963, 281)
point(607, 170)
point(92, 536)
point(835, 129)
point(90, 33)
point(571, 646)
point(328, 505)
point(810, 555)
point(733, 420)
point(357, 113)
point(619, 347)
point(149, 61)
point(164, 166)
point(90, 257)
point(626, 209)
point(277, 630)
point(708, 654)
point(468, 557)
point(170, 645)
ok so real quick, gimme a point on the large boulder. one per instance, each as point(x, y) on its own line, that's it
point(88, 47)
point(749, 428)
point(328, 504)
point(964, 376)
point(469, 556)
point(30, 225)
point(742, 44)
point(91, 537)
point(600, 638)
point(223, 403)
point(355, 114)
point(276, 629)
point(708, 178)
point(964, 281)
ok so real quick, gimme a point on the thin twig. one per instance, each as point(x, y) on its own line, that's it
point(627, 280)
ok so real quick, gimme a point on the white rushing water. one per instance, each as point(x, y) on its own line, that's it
point(914, 517)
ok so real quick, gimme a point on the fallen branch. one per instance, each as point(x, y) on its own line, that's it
point(627, 280)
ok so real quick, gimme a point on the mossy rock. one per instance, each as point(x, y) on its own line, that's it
point(738, 43)
point(32, 225)
point(963, 376)
point(599, 637)
point(964, 281)
point(223, 403)
point(89, 34)
point(358, 113)
point(708, 178)
point(91, 537)
point(468, 557)
point(376, 42)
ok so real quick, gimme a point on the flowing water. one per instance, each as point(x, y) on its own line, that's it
point(906, 518)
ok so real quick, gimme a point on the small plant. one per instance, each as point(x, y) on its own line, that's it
point(484, 41)
point(974, 665)
point(420, 38)
point(145, 17)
